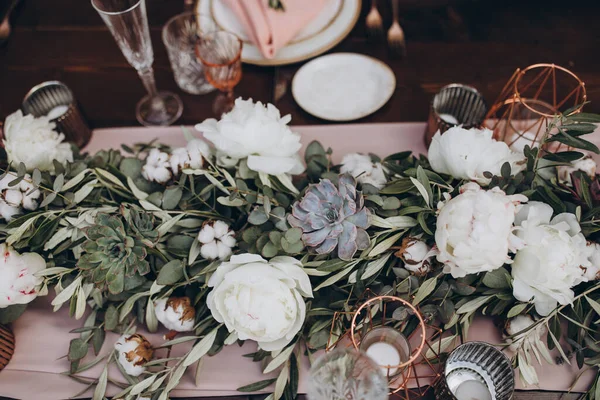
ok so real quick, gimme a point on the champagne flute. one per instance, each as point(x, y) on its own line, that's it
point(221, 54)
point(128, 23)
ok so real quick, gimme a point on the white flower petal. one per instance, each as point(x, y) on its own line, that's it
point(18, 284)
point(468, 153)
point(260, 300)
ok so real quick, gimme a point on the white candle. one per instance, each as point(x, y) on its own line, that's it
point(449, 119)
point(384, 354)
point(472, 390)
point(57, 112)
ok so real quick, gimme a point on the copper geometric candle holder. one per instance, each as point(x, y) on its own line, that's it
point(530, 101)
point(414, 377)
point(7, 346)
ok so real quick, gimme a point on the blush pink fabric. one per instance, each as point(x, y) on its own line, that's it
point(270, 29)
point(42, 337)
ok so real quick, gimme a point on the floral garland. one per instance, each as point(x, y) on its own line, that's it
point(240, 241)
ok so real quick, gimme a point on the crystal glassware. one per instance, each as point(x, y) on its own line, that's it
point(128, 23)
point(346, 374)
point(221, 54)
point(180, 35)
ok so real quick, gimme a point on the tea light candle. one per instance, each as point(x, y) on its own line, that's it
point(57, 111)
point(384, 354)
point(472, 390)
point(449, 119)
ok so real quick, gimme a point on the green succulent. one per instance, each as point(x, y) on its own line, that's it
point(140, 222)
point(112, 254)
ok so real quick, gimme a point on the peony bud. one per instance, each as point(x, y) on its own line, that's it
point(133, 352)
point(18, 283)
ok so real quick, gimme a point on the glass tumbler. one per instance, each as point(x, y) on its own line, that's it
point(180, 35)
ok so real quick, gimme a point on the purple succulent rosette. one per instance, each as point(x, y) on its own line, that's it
point(333, 217)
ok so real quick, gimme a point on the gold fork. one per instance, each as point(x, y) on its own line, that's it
point(374, 22)
point(396, 34)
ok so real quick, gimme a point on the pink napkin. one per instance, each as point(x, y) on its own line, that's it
point(272, 29)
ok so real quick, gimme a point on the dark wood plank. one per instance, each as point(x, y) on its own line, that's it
point(476, 42)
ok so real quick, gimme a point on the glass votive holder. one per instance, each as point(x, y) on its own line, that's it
point(476, 371)
point(388, 348)
point(180, 35)
point(346, 373)
point(56, 101)
point(455, 104)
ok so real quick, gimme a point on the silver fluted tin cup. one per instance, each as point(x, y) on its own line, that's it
point(56, 100)
point(476, 370)
point(455, 104)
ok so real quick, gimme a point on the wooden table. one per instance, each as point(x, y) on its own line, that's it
point(472, 42)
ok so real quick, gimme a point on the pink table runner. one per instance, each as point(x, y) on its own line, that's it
point(42, 337)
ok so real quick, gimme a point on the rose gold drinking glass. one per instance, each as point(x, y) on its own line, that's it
point(221, 54)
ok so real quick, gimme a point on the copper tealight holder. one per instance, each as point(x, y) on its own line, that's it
point(418, 342)
point(455, 104)
point(531, 101)
point(56, 101)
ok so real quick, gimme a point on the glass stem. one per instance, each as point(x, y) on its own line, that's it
point(147, 77)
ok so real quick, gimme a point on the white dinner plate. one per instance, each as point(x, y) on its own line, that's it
point(330, 27)
point(343, 86)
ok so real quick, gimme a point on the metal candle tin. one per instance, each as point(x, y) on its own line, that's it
point(477, 361)
point(44, 97)
point(464, 103)
point(7, 346)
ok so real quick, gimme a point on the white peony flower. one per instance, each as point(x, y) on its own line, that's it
point(176, 313)
point(18, 283)
point(364, 170)
point(217, 240)
point(191, 156)
point(157, 167)
point(552, 259)
point(585, 164)
point(133, 352)
point(34, 142)
point(468, 153)
point(527, 343)
point(260, 300)
point(475, 230)
point(592, 272)
point(416, 255)
point(257, 133)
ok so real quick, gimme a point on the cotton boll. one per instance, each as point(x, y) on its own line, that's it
point(206, 234)
point(210, 251)
point(176, 313)
point(217, 240)
point(133, 351)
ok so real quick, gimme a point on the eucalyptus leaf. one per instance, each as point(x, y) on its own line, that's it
point(425, 290)
point(170, 273)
